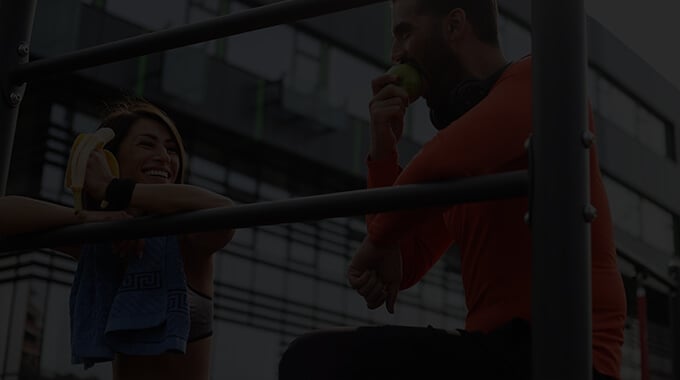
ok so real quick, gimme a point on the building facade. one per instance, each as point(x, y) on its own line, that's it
point(281, 113)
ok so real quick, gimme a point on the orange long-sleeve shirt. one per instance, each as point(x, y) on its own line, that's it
point(494, 241)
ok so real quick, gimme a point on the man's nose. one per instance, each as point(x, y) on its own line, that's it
point(397, 52)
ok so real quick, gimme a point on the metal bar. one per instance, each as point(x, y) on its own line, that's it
point(649, 271)
point(561, 296)
point(674, 305)
point(278, 13)
point(342, 204)
point(16, 24)
point(641, 294)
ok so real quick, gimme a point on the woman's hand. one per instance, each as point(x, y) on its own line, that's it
point(98, 175)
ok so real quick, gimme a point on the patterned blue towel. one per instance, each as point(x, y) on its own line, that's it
point(138, 308)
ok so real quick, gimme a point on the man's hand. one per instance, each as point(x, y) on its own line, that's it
point(387, 109)
point(376, 272)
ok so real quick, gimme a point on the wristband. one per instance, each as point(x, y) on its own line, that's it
point(118, 194)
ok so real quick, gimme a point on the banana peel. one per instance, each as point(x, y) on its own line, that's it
point(83, 146)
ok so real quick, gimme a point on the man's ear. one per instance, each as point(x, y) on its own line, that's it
point(455, 22)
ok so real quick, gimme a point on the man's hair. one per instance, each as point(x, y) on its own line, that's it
point(482, 15)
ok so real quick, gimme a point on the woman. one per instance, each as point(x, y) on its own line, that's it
point(152, 162)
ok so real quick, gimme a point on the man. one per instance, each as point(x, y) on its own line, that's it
point(482, 106)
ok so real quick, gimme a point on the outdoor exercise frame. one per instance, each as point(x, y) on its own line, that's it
point(557, 181)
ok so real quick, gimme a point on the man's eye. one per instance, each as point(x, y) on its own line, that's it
point(146, 143)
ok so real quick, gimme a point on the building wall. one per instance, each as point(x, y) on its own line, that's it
point(281, 113)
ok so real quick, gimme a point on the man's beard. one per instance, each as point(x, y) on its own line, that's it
point(446, 73)
point(449, 73)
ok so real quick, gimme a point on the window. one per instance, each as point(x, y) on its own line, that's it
point(349, 83)
point(640, 217)
point(637, 120)
point(657, 227)
point(150, 14)
point(515, 39)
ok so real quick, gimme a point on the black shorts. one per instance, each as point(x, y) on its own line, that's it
point(400, 352)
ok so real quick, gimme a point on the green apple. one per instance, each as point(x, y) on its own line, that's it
point(410, 79)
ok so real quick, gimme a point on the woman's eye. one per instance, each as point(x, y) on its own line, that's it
point(172, 150)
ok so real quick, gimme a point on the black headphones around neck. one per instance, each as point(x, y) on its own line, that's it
point(462, 98)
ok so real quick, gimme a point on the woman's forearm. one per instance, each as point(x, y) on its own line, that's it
point(171, 198)
point(21, 214)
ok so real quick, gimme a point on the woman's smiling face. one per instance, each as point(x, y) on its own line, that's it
point(149, 153)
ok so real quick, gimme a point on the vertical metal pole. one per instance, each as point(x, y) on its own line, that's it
point(674, 271)
point(560, 211)
point(16, 23)
point(641, 294)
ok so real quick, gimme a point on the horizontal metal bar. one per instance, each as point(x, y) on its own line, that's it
point(283, 12)
point(640, 266)
point(316, 207)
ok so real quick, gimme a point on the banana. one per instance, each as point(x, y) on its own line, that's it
point(76, 168)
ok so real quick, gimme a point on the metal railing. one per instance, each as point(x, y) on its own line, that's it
point(316, 207)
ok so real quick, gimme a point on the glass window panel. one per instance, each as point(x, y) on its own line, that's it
point(408, 315)
point(349, 83)
point(83, 123)
point(256, 53)
point(55, 158)
point(236, 270)
point(269, 245)
point(301, 288)
point(58, 146)
point(206, 168)
point(332, 266)
point(652, 131)
point(432, 296)
point(625, 206)
point(146, 13)
point(184, 73)
point(59, 115)
point(617, 107)
point(302, 253)
point(308, 44)
point(305, 77)
point(331, 297)
point(55, 27)
point(515, 40)
point(269, 280)
point(60, 133)
point(242, 182)
point(657, 227)
point(236, 347)
point(52, 182)
point(212, 5)
point(243, 236)
point(271, 192)
point(198, 14)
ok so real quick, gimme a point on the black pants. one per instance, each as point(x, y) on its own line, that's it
point(399, 352)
